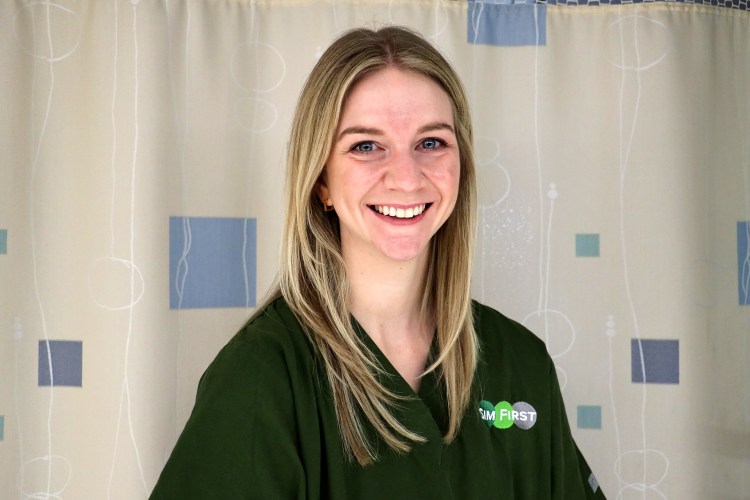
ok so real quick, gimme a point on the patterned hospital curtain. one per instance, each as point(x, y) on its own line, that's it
point(142, 159)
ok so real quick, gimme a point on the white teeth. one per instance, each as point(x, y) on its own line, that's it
point(400, 213)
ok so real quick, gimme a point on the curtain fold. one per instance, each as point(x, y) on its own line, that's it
point(140, 217)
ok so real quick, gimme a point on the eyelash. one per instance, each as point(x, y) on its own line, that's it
point(357, 146)
point(439, 143)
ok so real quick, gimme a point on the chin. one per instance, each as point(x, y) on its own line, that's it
point(405, 253)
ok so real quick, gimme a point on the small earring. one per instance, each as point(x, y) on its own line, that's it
point(327, 205)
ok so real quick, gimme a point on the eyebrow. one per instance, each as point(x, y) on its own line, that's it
point(430, 127)
point(436, 126)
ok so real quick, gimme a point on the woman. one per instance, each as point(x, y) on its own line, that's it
point(369, 372)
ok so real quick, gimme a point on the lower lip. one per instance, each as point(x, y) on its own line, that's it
point(400, 222)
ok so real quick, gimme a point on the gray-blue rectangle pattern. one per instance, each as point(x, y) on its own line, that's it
point(60, 363)
point(655, 361)
point(743, 262)
point(512, 25)
point(212, 262)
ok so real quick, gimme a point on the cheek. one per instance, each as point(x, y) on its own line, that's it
point(335, 182)
point(447, 179)
point(355, 181)
point(451, 187)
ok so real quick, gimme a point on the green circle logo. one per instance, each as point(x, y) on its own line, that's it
point(487, 412)
point(503, 415)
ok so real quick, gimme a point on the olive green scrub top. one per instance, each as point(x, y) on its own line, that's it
point(264, 426)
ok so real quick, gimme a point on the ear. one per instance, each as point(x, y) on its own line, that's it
point(321, 189)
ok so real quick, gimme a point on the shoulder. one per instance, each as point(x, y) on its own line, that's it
point(513, 362)
point(273, 325)
point(271, 343)
point(255, 381)
point(242, 437)
point(497, 331)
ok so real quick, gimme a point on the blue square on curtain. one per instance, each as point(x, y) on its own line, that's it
point(587, 245)
point(2, 427)
point(3, 241)
point(589, 417)
point(743, 262)
point(506, 23)
point(212, 262)
point(655, 361)
point(65, 357)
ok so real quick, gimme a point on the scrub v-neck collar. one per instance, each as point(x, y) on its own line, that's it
point(422, 411)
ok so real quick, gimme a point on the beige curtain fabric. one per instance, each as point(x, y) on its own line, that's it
point(143, 149)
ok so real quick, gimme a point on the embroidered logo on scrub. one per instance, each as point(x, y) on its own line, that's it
point(504, 415)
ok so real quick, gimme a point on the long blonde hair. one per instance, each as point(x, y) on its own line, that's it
point(312, 277)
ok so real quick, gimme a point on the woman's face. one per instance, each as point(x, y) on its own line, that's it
point(393, 171)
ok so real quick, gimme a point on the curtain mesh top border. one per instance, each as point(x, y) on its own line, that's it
point(743, 5)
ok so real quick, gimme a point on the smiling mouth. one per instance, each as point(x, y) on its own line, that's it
point(401, 213)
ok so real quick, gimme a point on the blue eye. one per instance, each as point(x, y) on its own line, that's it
point(364, 147)
point(431, 143)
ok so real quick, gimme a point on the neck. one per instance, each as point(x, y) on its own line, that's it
point(386, 299)
point(386, 293)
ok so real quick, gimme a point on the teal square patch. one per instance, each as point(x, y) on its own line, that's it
point(2, 427)
point(587, 245)
point(589, 417)
point(3, 241)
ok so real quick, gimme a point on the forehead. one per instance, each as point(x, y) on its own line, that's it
point(396, 94)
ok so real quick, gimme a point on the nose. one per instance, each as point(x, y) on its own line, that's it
point(404, 172)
